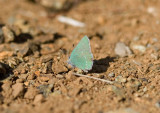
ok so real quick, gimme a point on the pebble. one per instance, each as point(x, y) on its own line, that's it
point(70, 75)
point(112, 74)
point(140, 48)
point(120, 92)
point(13, 62)
point(44, 79)
point(7, 86)
point(120, 79)
point(38, 99)
point(157, 104)
point(57, 5)
point(18, 89)
point(46, 58)
point(23, 51)
point(8, 34)
point(45, 89)
point(145, 89)
point(133, 84)
point(155, 56)
point(122, 50)
point(31, 93)
point(59, 66)
point(23, 76)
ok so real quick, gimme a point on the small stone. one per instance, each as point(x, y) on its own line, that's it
point(44, 79)
point(5, 54)
point(45, 59)
point(120, 92)
point(59, 76)
point(23, 76)
point(140, 48)
point(122, 50)
point(31, 93)
point(23, 51)
point(112, 74)
point(7, 86)
point(37, 73)
point(145, 89)
point(120, 79)
point(31, 76)
point(18, 89)
point(8, 34)
point(45, 89)
point(69, 75)
point(19, 80)
point(155, 56)
point(38, 99)
point(57, 5)
point(133, 84)
point(13, 62)
point(157, 104)
point(59, 66)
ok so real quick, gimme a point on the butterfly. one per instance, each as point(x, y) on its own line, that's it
point(81, 56)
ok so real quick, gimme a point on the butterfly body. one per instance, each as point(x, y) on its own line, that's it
point(81, 57)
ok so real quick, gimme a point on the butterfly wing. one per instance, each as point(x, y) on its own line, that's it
point(81, 56)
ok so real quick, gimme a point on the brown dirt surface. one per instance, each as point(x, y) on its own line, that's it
point(35, 46)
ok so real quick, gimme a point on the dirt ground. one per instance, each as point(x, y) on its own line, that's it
point(35, 46)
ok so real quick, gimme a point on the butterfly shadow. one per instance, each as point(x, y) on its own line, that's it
point(101, 65)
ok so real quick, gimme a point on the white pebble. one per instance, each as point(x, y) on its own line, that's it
point(122, 50)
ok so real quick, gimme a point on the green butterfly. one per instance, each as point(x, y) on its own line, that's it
point(82, 57)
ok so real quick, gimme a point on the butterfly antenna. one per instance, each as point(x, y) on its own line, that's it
point(107, 81)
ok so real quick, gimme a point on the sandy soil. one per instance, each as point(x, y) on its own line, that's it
point(35, 47)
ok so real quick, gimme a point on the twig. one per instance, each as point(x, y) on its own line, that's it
point(107, 81)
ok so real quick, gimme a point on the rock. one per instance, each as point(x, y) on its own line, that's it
point(18, 89)
point(123, 110)
point(13, 62)
point(44, 79)
point(44, 38)
point(23, 76)
point(38, 99)
point(122, 50)
point(120, 79)
point(31, 93)
point(157, 104)
point(59, 66)
point(45, 89)
point(112, 74)
point(20, 80)
point(59, 76)
point(70, 76)
point(46, 58)
point(140, 48)
point(7, 86)
point(120, 92)
point(133, 84)
point(23, 51)
point(8, 34)
point(46, 67)
point(57, 5)
point(31, 76)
